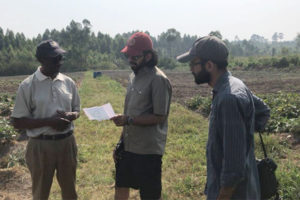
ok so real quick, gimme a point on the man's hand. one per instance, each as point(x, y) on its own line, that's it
point(119, 120)
point(226, 193)
point(115, 156)
point(59, 123)
point(67, 115)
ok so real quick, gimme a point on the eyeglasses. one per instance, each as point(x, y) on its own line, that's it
point(196, 63)
point(56, 59)
point(134, 58)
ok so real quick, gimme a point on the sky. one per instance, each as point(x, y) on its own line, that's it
point(232, 18)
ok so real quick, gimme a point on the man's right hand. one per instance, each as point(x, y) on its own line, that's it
point(115, 156)
point(59, 123)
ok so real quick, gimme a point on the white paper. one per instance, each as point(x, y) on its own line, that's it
point(100, 113)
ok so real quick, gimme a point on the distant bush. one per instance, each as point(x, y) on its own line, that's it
point(167, 63)
point(266, 62)
point(200, 104)
point(285, 110)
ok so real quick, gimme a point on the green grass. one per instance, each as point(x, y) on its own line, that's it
point(184, 163)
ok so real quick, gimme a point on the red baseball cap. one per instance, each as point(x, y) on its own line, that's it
point(138, 43)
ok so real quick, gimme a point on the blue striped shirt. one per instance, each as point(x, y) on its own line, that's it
point(235, 114)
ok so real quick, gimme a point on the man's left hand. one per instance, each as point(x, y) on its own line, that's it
point(119, 120)
point(225, 193)
point(67, 115)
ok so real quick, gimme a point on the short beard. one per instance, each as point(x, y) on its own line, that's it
point(202, 77)
point(138, 67)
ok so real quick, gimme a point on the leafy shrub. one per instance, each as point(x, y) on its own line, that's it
point(285, 110)
point(200, 104)
point(7, 132)
point(296, 127)
point(17, 157)
point(167, 63)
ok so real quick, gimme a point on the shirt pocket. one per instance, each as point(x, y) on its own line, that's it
point(140, 99)
point(64, 96)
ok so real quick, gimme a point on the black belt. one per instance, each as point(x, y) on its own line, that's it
point(53, 137)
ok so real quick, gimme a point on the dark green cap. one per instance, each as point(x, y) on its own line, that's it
point(48, 48)
point(208, 48)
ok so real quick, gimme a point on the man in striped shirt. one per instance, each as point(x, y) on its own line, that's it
point(235, 114)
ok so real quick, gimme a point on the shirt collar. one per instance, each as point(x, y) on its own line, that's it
point(144, 70)
point(222, 79)
point(41, 77)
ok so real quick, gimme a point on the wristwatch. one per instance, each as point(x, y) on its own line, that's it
point(129, 120)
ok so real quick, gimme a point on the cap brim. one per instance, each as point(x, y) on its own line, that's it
point(131, 51)
point(186, 57)
point(56, 52)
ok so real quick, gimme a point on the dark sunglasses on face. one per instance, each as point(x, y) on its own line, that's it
point(193, 64)
point(56, 59)
point(134, 58)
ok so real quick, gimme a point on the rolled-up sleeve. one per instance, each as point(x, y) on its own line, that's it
point(233, 134)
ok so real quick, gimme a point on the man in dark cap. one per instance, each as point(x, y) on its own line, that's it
point(235, 114)
point(138, 156)
point(46, 104)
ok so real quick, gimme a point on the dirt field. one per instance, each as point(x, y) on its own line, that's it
point(184, 86)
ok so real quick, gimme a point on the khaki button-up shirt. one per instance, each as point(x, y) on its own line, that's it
point(40, 97)
point(148, 92)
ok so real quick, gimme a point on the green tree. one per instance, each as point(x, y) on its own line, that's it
point(297, 40)
point(216, 33)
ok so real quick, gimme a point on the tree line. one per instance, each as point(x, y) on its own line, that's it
point(89, 50)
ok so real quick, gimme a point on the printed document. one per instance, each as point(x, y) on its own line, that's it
point(100, 113)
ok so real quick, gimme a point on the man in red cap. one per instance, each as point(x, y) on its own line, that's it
point(138, 155)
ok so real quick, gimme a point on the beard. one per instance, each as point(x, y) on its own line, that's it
point(136, 67)
point(202, 77)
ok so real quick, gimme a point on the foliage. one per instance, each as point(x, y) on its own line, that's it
point(285, 110)
point(17, 157)
point(7, 132)
point(167, 63)
point(200, 104)
point(265, 62)
point(88, 50)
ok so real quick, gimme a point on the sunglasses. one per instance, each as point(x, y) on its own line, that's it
point(56, 59)
point(201, 62)
point(134, 58)
point(193, 64)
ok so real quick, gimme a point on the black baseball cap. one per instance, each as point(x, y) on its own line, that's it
point(208, 48)
point(48, 48)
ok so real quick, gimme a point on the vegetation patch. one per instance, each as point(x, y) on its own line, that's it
point(285, 110)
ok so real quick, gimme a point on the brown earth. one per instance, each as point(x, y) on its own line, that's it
point(184, 86)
